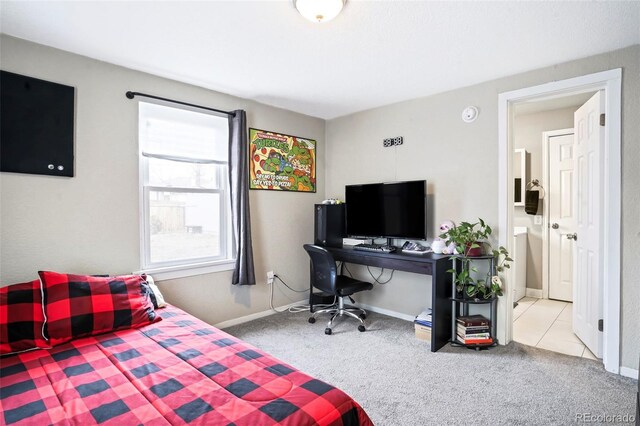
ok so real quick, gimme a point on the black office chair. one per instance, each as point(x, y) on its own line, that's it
point(324, 276)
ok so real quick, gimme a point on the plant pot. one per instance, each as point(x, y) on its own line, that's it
point(462, 295)
point(465, 296)
point(474, 252)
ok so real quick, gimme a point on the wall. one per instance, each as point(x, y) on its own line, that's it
point(527, 130)
point(460, 162)
point(90, 223)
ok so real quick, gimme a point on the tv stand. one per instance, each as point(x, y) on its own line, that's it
point(435, 265)
point(390, 242)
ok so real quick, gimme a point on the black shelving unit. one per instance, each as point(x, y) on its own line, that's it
point(460, 305)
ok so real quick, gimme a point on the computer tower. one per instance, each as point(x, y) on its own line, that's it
point(320, 298)
point(329, 228)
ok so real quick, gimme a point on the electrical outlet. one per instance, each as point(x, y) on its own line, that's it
point(537, 219)
point(270, 276)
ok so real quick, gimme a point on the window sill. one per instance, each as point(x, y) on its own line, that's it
point(183, 271)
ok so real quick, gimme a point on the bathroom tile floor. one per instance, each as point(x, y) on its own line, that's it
point(547, 324)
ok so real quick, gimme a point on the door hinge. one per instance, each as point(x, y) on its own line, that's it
point(602, 119)
point(600, 325)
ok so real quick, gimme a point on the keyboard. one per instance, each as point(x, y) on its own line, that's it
point(380, 248)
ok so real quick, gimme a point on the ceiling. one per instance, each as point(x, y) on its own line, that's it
point(374, 53)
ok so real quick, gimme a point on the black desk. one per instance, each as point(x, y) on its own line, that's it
point(435, 265)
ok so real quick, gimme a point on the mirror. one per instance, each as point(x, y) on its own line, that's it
point(520, 176)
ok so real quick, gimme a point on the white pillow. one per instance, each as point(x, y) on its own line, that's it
point(157, 295)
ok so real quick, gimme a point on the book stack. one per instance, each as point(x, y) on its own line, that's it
point(474, 330)
point(423, 324)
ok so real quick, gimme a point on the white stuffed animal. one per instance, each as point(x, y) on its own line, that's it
point(438, 245)
point(443, 246)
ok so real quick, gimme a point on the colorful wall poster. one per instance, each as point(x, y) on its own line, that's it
point(281, 162)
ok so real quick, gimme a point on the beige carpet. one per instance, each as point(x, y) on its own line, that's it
point(398, 381)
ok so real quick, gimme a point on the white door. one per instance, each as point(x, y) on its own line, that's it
point(588, 281)
point(561, 216)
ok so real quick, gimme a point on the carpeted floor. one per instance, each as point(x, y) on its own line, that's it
point(398, 381)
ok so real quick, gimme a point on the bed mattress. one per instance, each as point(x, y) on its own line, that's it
point(176, 371)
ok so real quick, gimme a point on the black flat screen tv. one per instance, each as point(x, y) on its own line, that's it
point(389, 210)
point(36, 126)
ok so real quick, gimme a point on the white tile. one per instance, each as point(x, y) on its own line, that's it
point(536, 319)
point(545, 310)
point(548, 324)
point(538, 330)
point(564, 347)
point(552, 303)
point(567, 313)
point(519, 310)
point(523, 304)
point(527, 335)
point(562, 331)
point(588, 354)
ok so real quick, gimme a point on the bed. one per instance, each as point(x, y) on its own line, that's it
point(178, 370)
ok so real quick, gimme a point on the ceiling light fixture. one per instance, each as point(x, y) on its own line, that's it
point(319, 10)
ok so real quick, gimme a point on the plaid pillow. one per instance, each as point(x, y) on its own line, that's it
point(156, 296)
point(21, 318)
point(82, 305)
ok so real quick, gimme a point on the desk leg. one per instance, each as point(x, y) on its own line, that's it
point(440, 305)
point(310, 287)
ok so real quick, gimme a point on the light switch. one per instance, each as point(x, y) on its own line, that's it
point(537, 219)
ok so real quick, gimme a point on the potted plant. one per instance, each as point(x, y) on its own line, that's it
point(491, 286)
point(468, 237)
point(471, 240)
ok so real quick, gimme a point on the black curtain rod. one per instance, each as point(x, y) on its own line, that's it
point(132, 95)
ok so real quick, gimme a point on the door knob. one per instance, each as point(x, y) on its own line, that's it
point(573, 237)
point(555, 226)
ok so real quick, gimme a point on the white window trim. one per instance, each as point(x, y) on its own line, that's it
point(183, 271)
point(163, 273)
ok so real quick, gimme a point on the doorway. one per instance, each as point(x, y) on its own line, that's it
point(607, 279)
point(544, 225)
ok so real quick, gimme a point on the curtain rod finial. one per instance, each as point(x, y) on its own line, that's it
point(130, 95)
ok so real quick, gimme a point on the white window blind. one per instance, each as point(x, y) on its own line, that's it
point(184, 187)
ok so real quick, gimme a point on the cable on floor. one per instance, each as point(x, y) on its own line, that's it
point(347, 268)
point(287, 285)
point(296, 308)
point(377, 280)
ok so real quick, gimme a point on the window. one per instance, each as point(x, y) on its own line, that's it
point(184, 188)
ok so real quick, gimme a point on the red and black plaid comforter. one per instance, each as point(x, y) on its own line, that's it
point(177, 371)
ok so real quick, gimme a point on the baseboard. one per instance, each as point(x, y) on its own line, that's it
point(533, 292)
point(255, 316)
point(387, 312)
point(629, 372)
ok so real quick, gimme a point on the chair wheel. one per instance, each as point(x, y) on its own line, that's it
point(363, 316)
point(327, 330)
point(361, 328)
point(312, 320)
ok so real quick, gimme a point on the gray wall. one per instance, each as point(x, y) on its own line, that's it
point(460, 162)
point(90, 223)
point(527, 132)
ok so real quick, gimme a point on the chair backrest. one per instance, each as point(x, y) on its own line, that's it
point(323, 269)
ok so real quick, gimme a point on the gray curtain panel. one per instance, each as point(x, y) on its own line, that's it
point(239, 189)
